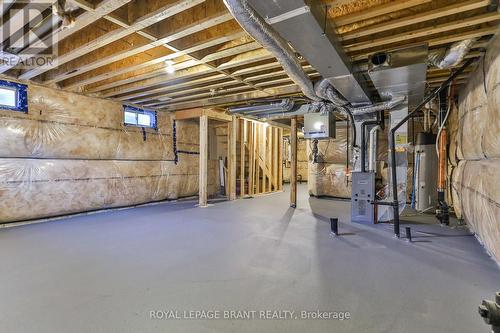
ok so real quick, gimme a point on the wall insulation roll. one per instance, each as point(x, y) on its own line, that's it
point(477, 199)
point(71, 153)
point(472, 118)
point(491, 140)
point(474, 182)
point(329, 176)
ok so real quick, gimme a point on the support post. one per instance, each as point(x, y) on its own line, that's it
point(293, 156)
point(243, 139)
point(233, 133)
point(251, 158)
point(203, 170)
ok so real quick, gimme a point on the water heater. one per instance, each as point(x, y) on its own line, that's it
point(426, 169)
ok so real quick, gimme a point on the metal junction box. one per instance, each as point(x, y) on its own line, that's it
point(363, 193)
point(319, 126)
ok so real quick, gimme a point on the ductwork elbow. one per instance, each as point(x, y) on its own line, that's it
point(324, 89)
point(451, 57)
point(395, 101)
point(265, 35)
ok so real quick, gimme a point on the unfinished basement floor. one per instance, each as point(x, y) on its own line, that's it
point(106, 272)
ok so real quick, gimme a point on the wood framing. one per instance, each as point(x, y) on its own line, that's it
point(293, 157)
point(203, 171)
point(174, 55)
point(259, 158)
point(232, 161)
point(199, 112)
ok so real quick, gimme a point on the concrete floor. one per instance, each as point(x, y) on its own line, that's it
point(106, 272)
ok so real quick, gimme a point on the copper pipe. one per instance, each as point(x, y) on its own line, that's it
point(442, 161)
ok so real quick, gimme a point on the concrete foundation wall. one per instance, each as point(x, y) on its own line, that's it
point(72, 153)
point(475, 151)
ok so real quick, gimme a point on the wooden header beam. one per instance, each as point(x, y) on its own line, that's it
point(199, 112)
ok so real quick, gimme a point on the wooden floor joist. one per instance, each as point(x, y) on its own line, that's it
point(418, 18)
point(184, 54)
point(378, 11)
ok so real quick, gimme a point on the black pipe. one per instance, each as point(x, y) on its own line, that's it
point(408, 234)
point(365, 123)
point(347, 145)
point(442, 212)
point(353, 125)
point(334, 226)
point(392, 140)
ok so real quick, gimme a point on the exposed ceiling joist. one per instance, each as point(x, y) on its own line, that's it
point(418, 18)
point(104, 8)
point(127, 69)
point(375, 11)
point(114, 35)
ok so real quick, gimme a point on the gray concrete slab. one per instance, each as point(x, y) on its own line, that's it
point(106, 272)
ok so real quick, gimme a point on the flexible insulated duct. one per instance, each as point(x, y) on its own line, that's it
point(324, 89)
point(451, 57)
point(265, 35)
point(395, 101)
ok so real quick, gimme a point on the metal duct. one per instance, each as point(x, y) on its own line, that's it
point(285, 105)
point(451, 57)
point(256, 27)
point(303, 23)
point(400, 73)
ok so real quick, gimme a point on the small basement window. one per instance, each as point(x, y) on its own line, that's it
point(138, 117)
point(13, 96)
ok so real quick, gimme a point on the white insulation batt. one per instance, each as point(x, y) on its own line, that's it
point(475, 151)
point(72, 153)
point(329, 177)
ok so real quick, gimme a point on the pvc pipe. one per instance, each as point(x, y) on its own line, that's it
point(372, 149)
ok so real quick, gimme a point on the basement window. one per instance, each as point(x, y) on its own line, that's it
point(13, 96)
point(139, 117)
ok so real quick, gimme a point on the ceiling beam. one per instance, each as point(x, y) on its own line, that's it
point(375, 11)
point(134, 50)
point(147, 20)
point(239, 60)
point(161, 71)
point(432, 42)
point(109, 73)
point(176, 91)
point(455, 8)
point(105, 7)
point(424, 32)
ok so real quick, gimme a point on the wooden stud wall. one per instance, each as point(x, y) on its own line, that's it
point(259, 165)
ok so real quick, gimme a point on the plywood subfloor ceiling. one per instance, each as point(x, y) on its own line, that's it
point(127, 49)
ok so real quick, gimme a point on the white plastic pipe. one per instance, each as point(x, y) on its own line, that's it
point(372, 149)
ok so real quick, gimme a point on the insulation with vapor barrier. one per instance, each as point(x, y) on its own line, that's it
point(475, 151)
point(329, 176)
point(71, 153)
